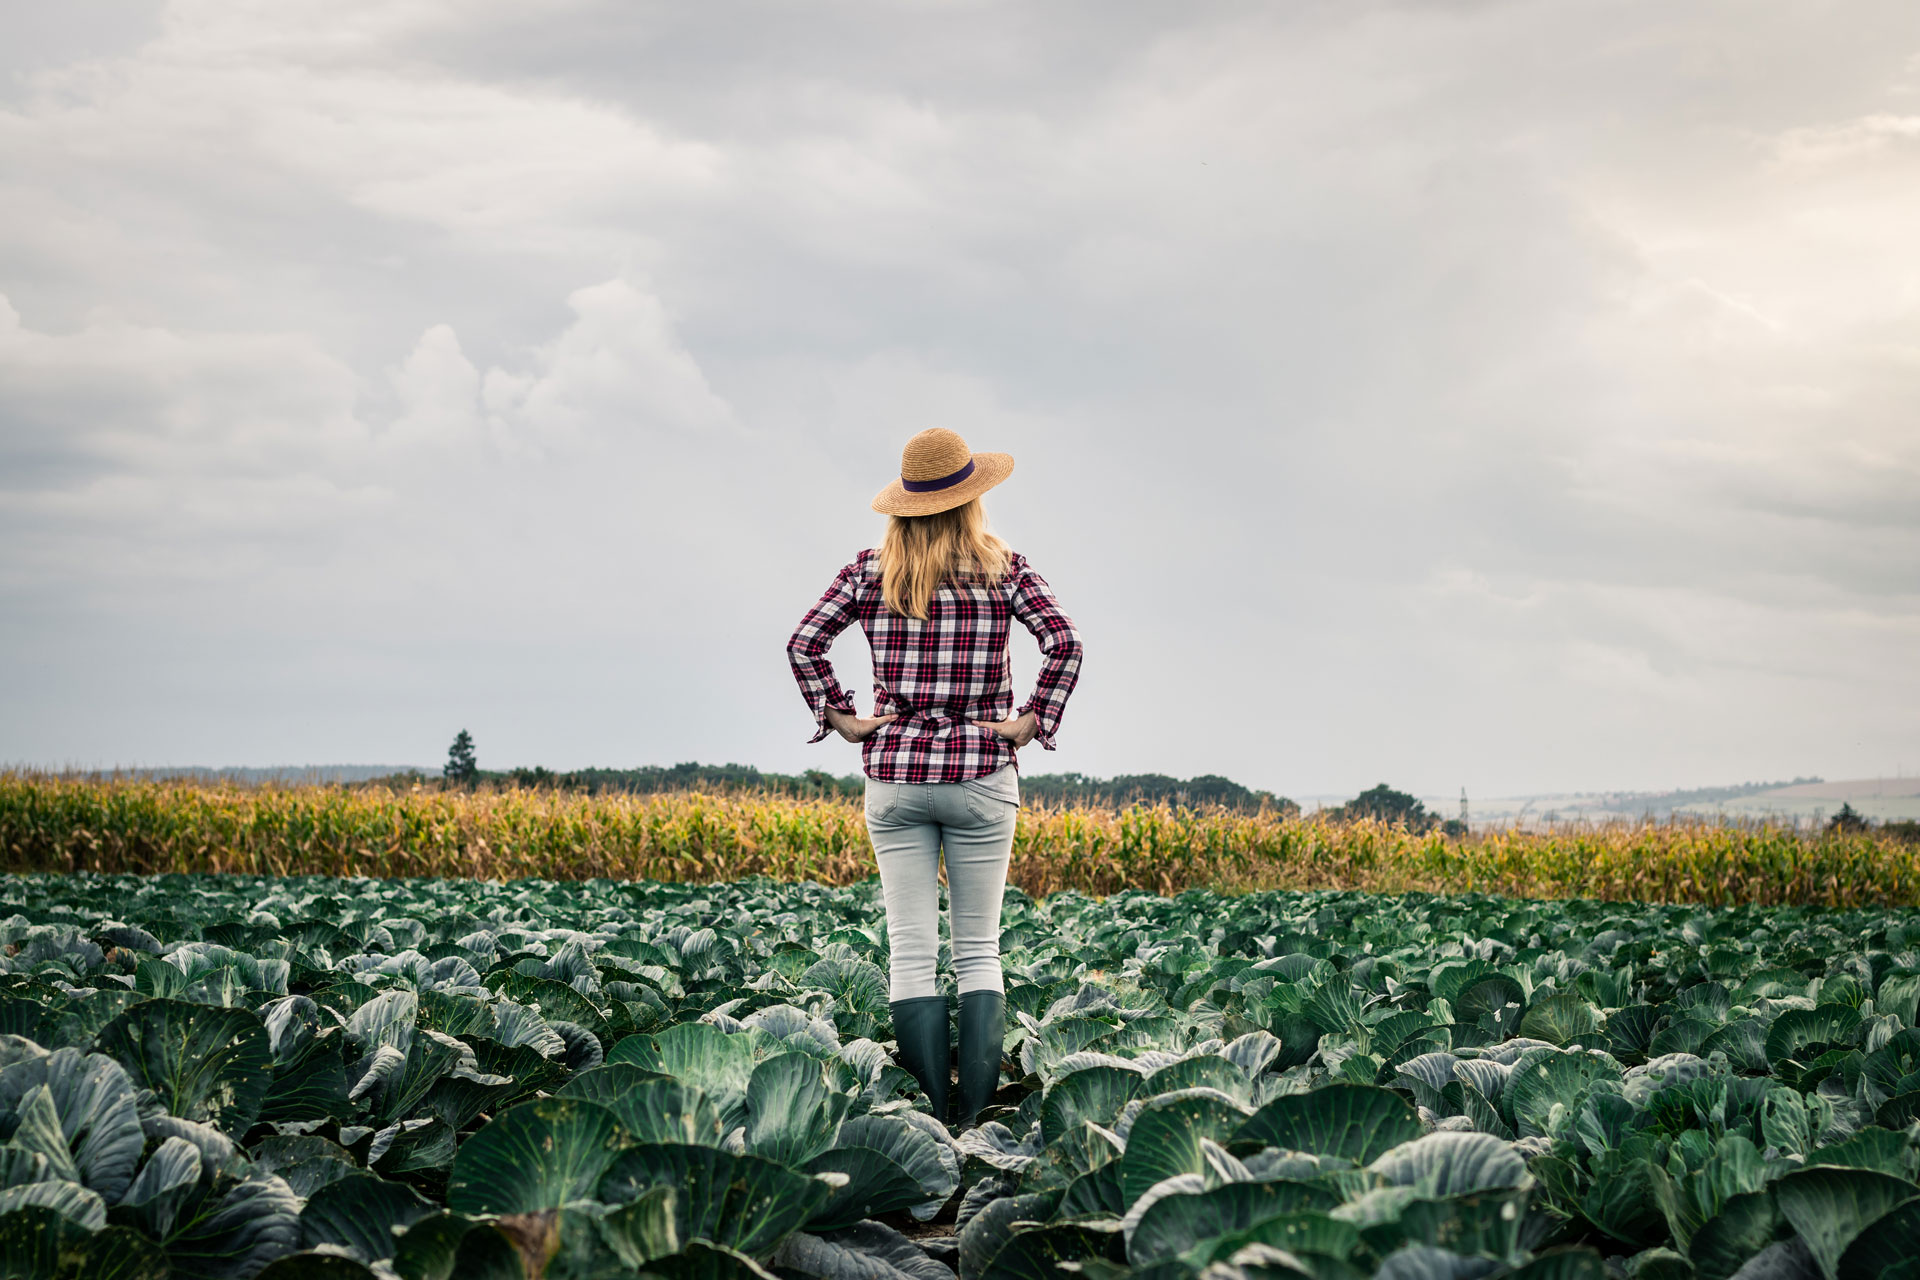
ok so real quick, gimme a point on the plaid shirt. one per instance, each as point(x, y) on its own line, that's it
point(941, 674)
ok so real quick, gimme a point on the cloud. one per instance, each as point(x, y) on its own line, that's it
point(117, 423)
point(170, 446)
point(1393, 387)
point(1823, 145)
point(439, 392)
point(617, 368)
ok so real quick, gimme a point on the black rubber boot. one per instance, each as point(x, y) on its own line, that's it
point(983, 1035)
point(920, 1029)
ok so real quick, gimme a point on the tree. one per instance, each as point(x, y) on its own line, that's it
point(1847, 819)
point(462, 768)
point(1384, 804)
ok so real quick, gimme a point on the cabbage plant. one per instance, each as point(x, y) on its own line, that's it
point(233, 1077)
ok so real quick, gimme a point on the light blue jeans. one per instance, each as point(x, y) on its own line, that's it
point(910, 824)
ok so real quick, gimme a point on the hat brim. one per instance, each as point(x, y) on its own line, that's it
point(989, 469)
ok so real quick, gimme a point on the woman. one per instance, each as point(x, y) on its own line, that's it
point(935, 601)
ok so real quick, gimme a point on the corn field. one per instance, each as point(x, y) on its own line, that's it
point(50, 823)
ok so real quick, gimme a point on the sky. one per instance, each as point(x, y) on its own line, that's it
point(1512, 396)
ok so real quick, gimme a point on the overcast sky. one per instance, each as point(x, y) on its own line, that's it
point(1517, 396)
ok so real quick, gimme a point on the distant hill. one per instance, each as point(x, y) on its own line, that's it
point(1818, 789)
point(1806, 801)
point(1882, 800)
point(1711, 795)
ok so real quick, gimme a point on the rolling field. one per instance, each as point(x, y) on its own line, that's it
point(51, 823)
point(291, 1078)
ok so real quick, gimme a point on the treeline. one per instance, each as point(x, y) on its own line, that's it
point(1711, 795)
point(648, 779)
point(1151, 788)
point(1053, 789)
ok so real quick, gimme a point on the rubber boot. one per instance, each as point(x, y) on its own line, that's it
point(920, 1029)
point(983, 1035)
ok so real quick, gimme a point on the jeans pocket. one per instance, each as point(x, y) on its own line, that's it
point(882, 799)
point(988, 809)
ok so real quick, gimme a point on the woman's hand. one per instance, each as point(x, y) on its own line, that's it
point(1018, 731)
point(855, 728)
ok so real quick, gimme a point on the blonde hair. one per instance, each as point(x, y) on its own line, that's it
point(918, 553)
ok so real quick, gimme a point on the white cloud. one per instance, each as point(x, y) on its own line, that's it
point(618, 369)
point(1353, 357)
point(439, 391)
point(158, 440)
point(170, 409)
point(1821, 145)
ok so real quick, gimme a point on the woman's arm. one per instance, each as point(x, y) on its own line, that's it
point(832, 706)
point(1060, 649)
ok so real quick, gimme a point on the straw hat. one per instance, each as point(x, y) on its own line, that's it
point(938, 472)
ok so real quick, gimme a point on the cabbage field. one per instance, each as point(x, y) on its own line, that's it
point(295, 1078)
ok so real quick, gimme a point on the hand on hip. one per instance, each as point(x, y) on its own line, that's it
point(1018, 731)
point(855, 728)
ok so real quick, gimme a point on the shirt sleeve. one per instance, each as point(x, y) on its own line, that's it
point(807, 650)
point(1040, 613)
